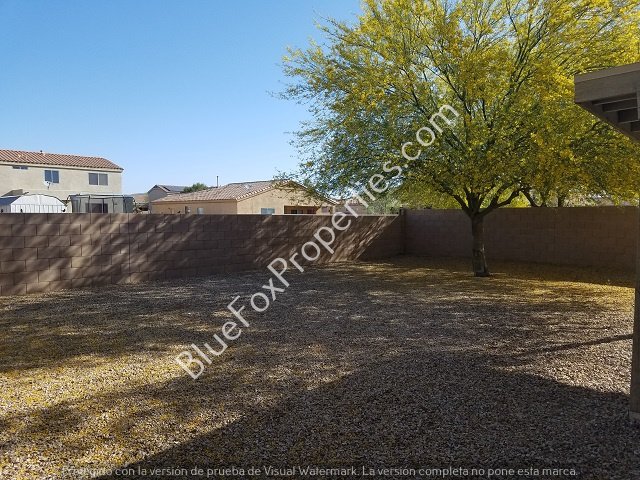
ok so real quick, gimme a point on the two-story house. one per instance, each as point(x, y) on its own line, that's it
point(57, 175)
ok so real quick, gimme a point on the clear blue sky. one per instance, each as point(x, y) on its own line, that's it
point(173, 91)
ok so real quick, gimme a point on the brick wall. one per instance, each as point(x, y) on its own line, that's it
point(45, 252)
point(584, 236)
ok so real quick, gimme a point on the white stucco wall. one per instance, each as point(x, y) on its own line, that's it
point(73, 180)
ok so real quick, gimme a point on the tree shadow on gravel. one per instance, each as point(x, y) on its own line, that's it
point(395, 363)
point(429, 409)
point(50, 330)
point(90, 325)
point(503, 269)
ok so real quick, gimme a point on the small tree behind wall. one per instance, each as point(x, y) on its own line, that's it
point(196, 187)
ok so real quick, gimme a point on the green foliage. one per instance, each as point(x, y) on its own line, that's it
point(384, 205)
point(506, 66)
point(196, 187)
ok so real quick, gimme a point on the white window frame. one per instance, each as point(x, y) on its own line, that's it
point(51, 176)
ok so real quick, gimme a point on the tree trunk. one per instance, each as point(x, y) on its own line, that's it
point(529, 196)
point(480, 268)
point(561, 200)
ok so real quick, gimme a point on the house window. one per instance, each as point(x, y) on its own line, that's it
point(267, 211)
point(310, 211)
point(98, 179)
point(52, 176)
point(20, 167)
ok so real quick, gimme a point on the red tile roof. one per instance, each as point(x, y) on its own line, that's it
point(56, 159)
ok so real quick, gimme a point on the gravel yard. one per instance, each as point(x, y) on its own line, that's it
point(411, 362)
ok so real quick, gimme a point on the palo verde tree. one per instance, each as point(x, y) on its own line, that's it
point(506, 67)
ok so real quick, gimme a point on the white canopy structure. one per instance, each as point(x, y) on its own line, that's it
point(31, 204)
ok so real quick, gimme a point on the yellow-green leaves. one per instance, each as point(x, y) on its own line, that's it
point(506, 65)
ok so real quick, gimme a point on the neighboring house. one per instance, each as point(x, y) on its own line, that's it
point(160, 191)
point(57, 175)
point(263, 197)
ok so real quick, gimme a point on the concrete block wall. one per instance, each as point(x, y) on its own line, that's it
point(581, 236)
point(47, 252)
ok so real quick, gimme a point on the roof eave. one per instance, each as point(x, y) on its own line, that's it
point(57, 165)
point(613, 95)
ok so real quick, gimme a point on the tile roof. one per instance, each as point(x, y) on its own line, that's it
point(232, 191)
point(171, 188)
point(56, 159)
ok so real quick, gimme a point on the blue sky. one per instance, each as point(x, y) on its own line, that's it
point(174, 92)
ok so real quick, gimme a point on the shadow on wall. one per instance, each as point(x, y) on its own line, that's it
point(584, 236)
point(54, 252)
point(167, 246)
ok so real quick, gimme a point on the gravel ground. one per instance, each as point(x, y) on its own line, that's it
point(410, 363)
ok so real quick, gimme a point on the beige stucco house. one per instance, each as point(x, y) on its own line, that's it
point(160, 191)
point(266, 197)
point(57, 175)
